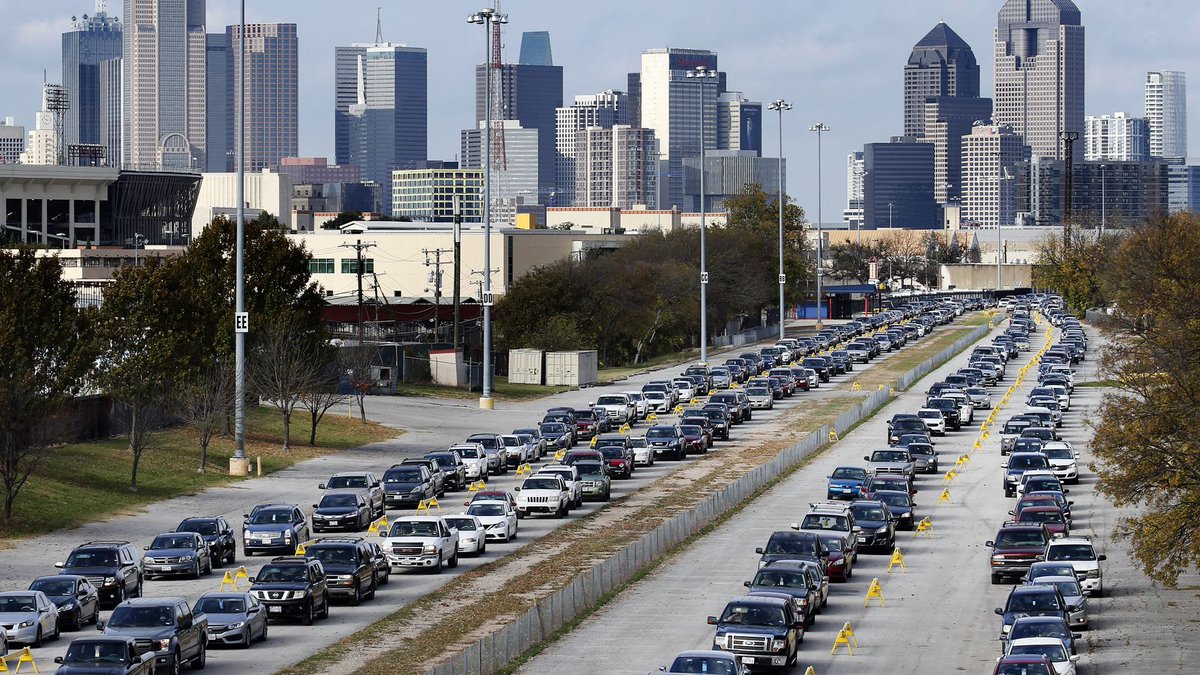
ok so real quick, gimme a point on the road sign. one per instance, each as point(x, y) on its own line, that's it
point(783, 278)
point(488, 299)
point(704, 277)
point(241, 322)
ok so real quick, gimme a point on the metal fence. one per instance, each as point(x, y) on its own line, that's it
point(551, 613)
point(746, 337)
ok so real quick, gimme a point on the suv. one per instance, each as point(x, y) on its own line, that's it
point(293, 586)
point(545, 494)
point(619, 408)
point(113, 567)
point(452, 465)
point(407, 485)
point(341, 510)
point(217, 533)
point(760, 629)
point(666, 439)
point(1015, 548)
point(165, 627)
point(436, 474)
point(1082, 555)
point(359, 481)
point(1018, 463)
point(349, 567)
point(274, 527)
point(833, 517)
point(876, 525)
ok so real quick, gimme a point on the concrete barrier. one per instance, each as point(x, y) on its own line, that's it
point(551, 613)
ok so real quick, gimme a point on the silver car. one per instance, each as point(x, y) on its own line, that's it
point(761, 398)
point(28, 617)
point(234, 619)
point(472, 535)
point(980, 398)
point(1072, 592)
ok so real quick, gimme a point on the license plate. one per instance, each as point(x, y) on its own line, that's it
point(274, 609)
point(333, 522)
point(747, 659)
point(861, 539)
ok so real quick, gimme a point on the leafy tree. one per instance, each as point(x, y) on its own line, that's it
point(46, 344)
point(1145, 441)
point(1077, 264)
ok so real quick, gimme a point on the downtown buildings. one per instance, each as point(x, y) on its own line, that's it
point(1166, 113)
point(90, 48)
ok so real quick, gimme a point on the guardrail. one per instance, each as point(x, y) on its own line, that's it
point(551, 613)
point(746, 337)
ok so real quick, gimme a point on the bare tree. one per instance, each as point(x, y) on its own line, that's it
point(204, 403)
point(286, 363)
point(357, 362)
point(323, 395)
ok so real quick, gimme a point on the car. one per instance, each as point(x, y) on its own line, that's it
point(925, 458)
point(1063, 460)
point(76, 598)
point(905, 426)
point(760, 630)
point(846, 482)
point(1031, 600)
point(589, 423)
point(168, 627)
point(934, 420)
point(472, 535)
point(349, 565)
point(832, 517)
point(1044, 626)
point(1051, 517)
point(951, 409)
point(737, 402)
point(99, 655)
point(421, 542)
point(234, 619)
point(543, 493)
point(657, 401)
point(640, 407)
point(407, 485)
point(499, 519)
point(113, 567)
point(475, 458)
point(619, 408)
point(359, 481)
point(516, 450)
point(900, 504)
point(761, 398)
point(1082, 555)
point(981, 399)
point(877, 526)
point(705, 661)
point(1023, 665)
point(341, 510)
point(837, 563)
point(274, 528)
point(557, 435)
point(643, 455)
point(383, 572)
point(292, 587)
point(222, 545)
point(436, 475)
point(1043, 568)
point(1017, 464)
point(696, 441)
point(787, 545)
point(666, 440)
point(594, 480)
point(28, 617)
point(1072, 593)
point(895, 461)
point(719, 416)
point(570, 474)
point(535, 440)
point(787, 580)
point(1062, 661)
point(1015, 549)
point(456, 471)
point(177, 554)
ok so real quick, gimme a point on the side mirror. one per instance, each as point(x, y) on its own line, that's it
point(999, 611)
point(856, 528)
point(58, 565)
point(148, 656)
point(383, 533)
point(712, 620)
point(251, 579)
point(1076, 636)
point(865, 457)
point(1070, 502)
point(315, 506)
point(795, 526)
point(746, 584)
point(759, 550)
point(516, 489)
point(145, 548)
point(245, 515)
point(989, 544)
point(1101, 558)
point(1077, 455)
point(58, 659)
point(100, 625)
point(321, 486)
point(1012, 513)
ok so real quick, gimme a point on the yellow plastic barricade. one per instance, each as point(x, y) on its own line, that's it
point(846, 637)
point(897, 559)
point(925, 526)
point(875, 590)
point(945, 498)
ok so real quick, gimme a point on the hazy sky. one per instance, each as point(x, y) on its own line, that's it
point(838, 62)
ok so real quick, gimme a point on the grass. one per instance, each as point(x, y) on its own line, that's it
point(673, 358)
point(889, 371)
point(502, 390)
point(87, 482)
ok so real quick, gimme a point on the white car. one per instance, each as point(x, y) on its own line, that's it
point(640, 406)
point(966, 411)
point(516, 451)
point(421, 541)
point(471, 534)
point(617, 407)
point(687, 388)
point(29, 617)
point(543, 493)
point(934, 419)
point(642, 454)
point(1083, 557)
point(570, 476)
point(657, 402)
point(1052, 648)
point(1064, 461)
point(499, 519)
point(814, 380)
point(474, 458)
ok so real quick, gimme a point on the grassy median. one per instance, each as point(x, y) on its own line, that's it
point(86, 482)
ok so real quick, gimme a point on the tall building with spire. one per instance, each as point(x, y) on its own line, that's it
point(941, 64)
point(91, 41)
point(1166, 113)
point(1039, 72)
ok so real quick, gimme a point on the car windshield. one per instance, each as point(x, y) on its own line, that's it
point(612, 452)
point(92, 558)
point(1054, 652)
point(486, 509)
point(1024, 538)
point(894, 498)
point(746, 614)
point(1014, 428)
point(443, 460)
point(1059, 453)
point(1069, 588)
point(54, 587)
point(221, 605)
point(271, 517)
point(930, 414)
point(97, 651)
point(758, 391)
point(691, 430)
point(203, 527)
point(511, 441)
point(1031, 516)
point(849, 473)
point(275, 574)
point(141, 617)
point(346, 482)
point(780, 579)
point(920, 449)
point(1027, 462)
point(339, 500)
point(337, 555)
point(712, 665)
point(660, 433)
point(589, 469)
point(1024, 629)
point(552, 428)
point(462, 524)
point(611, 400)
point(1071, 552)
point(868, 513)
point(889, 456)
point(786, 543)
point(172, 541)
point(832, 544)
point(540, 484)
point(1032, 602)
point(18, 603)
point(414, 528)
point(824, 521)
point(402, 476)
point(469, 453)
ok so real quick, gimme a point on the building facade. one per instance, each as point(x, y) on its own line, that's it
point(942, 64)
point(272, 92)
point(430, 194)
point(991, 159)
point(616, 167)
point(1166, 113)
point(1116, 137)
point(220, 108)
point(111, 109)
point(514, 181)
point(316, 171)
point(535, 48)
point(947, 120)
point(603, 110)
point(1183, 189)
point(852, 215)
point(91, 41)
point(739, 123)
point(1039, 72)
point(12, 141)
point(45, 139)
point(726, 174)
point(898, 185)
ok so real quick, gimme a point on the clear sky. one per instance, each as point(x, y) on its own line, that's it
point(839, 62)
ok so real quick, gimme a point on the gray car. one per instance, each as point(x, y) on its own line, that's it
point(1072, 592)
point(28, 617)
point(177, 554)
point(234, 619)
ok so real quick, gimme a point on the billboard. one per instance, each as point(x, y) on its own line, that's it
point(751, 128)
point(689, 61)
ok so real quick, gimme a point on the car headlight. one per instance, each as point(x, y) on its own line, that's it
point(287, 537)
point(778, 644)
point(25, 624)
point(1093, 574)
point(882, 530)
point(415, 490)
point(164, 645)
point(468, 540)
point(110, 581)
point(235, 626)
point(1005, 628)
point(344, 577)
point(429, 549)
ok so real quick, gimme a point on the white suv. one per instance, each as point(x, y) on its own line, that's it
point(618, 407)
point(1082, 555)
point(933, 418)
point(542, 493)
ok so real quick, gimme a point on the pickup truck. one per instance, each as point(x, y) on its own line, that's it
point(166, 627)
point(421, 541)
point(105, 656)
point(619, 408)
point(359, 481)
point(895, 461)
point(543, 494)
point(760, 630)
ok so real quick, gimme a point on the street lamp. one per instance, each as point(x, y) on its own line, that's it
point(779, 105)
point(819, 128)
point(702, 74)
point(488, 18)
point(239, 464)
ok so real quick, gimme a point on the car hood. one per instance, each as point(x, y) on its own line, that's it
point(271, 527)
point(769, 558)
point(538, 493)
point(278, 586)
point(17, 617)
point(1010, 617)
point(90, 571)
point(900, 511)
point(403, 487)
point(169, 552)
point(488, 521)
point(67, 669)
point(889, 465)
point(740, 629)
point(795, 592)
point(234, 617)
point(339, 568)
point(151, 632)
point(847, 482)
point(868, 525)
point(336, 511)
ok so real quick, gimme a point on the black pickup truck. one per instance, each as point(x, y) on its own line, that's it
point(762, 631)
point(166, 627)
point(104, 656)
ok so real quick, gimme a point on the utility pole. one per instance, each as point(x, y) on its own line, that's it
point(457, 270)
point(1068, 138)
point(359, 265)
point(435, 278)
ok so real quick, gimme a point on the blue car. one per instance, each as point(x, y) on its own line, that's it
point(846, 482)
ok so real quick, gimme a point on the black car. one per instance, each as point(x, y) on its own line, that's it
point(103, 655)
point(900, 504)
point(341, 510)
point(877, 523)
point(720, 421)
point(456, 470)
point(769, 628)
point(222, 545)
point(349, 567)
point(407, 485)
point(818, 364)
point(664, 440)
point(791, 545)
point(113, 567)
point(781, 578)
point(77, 600)
point(1034, 600)
point(292, 587)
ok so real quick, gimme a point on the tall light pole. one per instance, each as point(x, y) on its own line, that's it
point(239, 465)
point(779, 105)
point(487, 18)
point(819, 128)
point(702, 73)
point(1103, 197)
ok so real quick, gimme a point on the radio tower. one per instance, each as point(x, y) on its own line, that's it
point(498, 101)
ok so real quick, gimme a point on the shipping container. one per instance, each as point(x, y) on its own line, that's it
point(571, 369)
point(526, 366)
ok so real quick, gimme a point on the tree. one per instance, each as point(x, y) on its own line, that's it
point(357, 362)
point(205, 402)
point(324, 394)
point(1077, 264)
point(341, 219)
point(46, 345)
point(285, 363)
point(1145, 441)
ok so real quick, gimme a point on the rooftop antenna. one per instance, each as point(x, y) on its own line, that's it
point(378, 25)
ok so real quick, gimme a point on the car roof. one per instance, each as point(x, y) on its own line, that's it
point(152, 602)
point(779, 601)
point(1072, 540)
point(224, 594)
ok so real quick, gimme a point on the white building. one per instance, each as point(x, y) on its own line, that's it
point(515, 180)
point(45, 140)
point(265, 192)
point(1116, 137)
point(852, 216)
point(12, 141)
point(991, 156)
point(681, 110)
point(616, 167)
point(601, 110)
point(429, 194)
point(1166, 113)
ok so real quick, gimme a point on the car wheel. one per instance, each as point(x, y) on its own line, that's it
point(454, 560)
point(374, 587)
point(481, 550)
point(356, 596)
point(520, 514)
point(196, 570)
point(37, 640)
point(325, 607)
point(201, 659)
point(263, 637)
point(233, 555)
point(562, 511)
point(309, 615)
point(175, 663)
point(437, 568)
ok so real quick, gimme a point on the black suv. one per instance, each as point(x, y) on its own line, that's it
point(292, 586)
point(349, 567)
point(222, 545)
point(113, 567)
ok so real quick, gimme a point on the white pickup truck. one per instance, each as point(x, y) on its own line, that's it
point(570, 476)
point(420, 541)
point(542, 493)
point(618, 407)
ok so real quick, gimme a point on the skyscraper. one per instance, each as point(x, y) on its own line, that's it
point(535, 48)
point(272, 92)
point(992, 158)
point(615, 167)
point(739, 123)
point(12, 141)
point(111, 119)
point(1117, 137)
point(898, 185)
point(941, 64)
point(163, 57)
point(852, 215)
point(1166, 113)
point(1039, 72)
point(947, 120)
point(514, 181)
point(601, 110)
point(219, 128)
point(45, 139)
point(91, 41)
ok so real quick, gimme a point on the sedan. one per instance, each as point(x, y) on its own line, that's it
point(28, 617)
point(499, 520)
point(341, 511)
point(1038, 648)
point(761, 398)
point(471, 534)
point(695, 439)
point(234, 619)
point(77, 600)
point(177, 553)
point(705, 661)
point(1072, 592)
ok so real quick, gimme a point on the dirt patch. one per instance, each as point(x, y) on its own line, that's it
point(890, 370)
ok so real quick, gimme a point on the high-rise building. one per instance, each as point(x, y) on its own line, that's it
point(1166, 113)
point(852, 216)
point(91, 41)
point(163, 60)
point(535, 48)
point(1113, 193)
point(1039, 72)
point(529, 94)
point(1117, 137)
point(316, 171)
point(992, 156)
point(429, 194)
point(739, 123)
point(219, 127)
point(616, 167)
point(514, 182)
point(947, 120)
point(681, 111)
point(941, 64)
point(602, 110)
point(272, 92)
point(45, 139)
point(111, 102)
point(898, 185)
point(12, 141)
point(381, 110)
point(726, 174)
point(1183, 191)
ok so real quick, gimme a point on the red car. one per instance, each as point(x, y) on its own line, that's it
point(619, 459)
point(1023, 665)
point(694, 438)
point(800, 378)
point(493, 496)
point(837, 565)
point(1050, 516)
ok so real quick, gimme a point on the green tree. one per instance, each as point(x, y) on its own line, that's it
point(341, 219)
point(46, 344)
point(1077, 264)
point(755, 210)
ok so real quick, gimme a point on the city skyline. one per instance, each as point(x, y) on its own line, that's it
point(851, 56)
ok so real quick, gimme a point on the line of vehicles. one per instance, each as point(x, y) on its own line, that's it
point(580, 452)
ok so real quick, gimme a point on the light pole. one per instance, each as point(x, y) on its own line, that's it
point(779, 105)
point(819, 128)
point(1103, 197)
point(702, 73)
point(488, 18)
point(891, 206)
point(239, 465)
